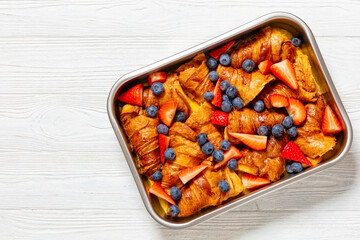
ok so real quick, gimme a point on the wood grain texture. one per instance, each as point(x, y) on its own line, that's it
point(63, 175)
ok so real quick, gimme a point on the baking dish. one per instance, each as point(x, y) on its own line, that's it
point(283, 20)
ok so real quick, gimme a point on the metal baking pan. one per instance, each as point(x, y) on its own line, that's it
point(279, 19)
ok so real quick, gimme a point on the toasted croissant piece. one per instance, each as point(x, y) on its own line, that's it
point(194, 78)
point(249, 85)
point(200, 122)
point(143, 136)
point(172, 92)
point(203, 190)
point(188, 154)
point(269, 44)
point(311, 141)
point(307, 88)
point(248, 121)
point(268, 162)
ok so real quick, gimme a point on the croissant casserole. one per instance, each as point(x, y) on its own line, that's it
point(228, 121)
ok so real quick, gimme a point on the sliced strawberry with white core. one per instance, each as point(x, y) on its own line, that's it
point(164, 142)
point(278, 100)
point(156, 77)
point(330, 124)
point(167, 112)
point(233, 152)
point(158, 191)
point(255, 142)
point(252, 182)
point(217, 95)
point(296, 110)
point(132, 96)
point(292, 152)
point(189, 173)
point(285, 72)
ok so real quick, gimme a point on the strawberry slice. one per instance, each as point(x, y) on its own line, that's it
point(189, 173)
point(255, 142)
point(278, 100)
point(233, 152)
point(219, 118)
point(133, 96)
point(156, 77)
point(167, 112)
point(221, 50)
point(292, 152)
point(164, 142)
point(330, 124)
point(264, 67)
point(217, 95)
point(252, 182)
point(158, 191)
point(285, 72)
point(296, 110)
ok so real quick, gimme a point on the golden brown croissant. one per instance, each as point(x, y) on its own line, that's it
point(172, 92)
point(249, 85)
point(267, 163)
point(143, 136)
point(203, 190)
point(311, 141)
point(188, 154)
point(194, 78)
point(200, 122)
point(269, 44)
point(248, 121)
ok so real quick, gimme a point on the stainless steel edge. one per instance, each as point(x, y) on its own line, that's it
point(203, 47)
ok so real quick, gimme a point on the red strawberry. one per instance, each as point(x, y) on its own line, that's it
point(133, 95)
point(158, 191)
point(296, 110)
point(252, 182)
point(217, 94)
point(233, 152)
point(219, 118)
point(223, 49)
point(164, 142)
point(167, 112)
point(189, 173)
point(285, 72)
point(264, 67)
point(330, 124)
point(156, 77)
point(256, 142)
point(292, 152)
point(278, 100)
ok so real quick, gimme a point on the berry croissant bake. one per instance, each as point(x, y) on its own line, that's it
point(228, 121)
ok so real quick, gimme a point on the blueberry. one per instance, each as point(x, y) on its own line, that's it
point(225, 145)
point(218, 155)
point(296, 167)
point(225, 59)
point(151, 110)
point(202, 138)
point(248, 65)
point(179, 117)
point(208, 96)
point(237, 103)
point(292, 132)
point(207, 148)
point(174, 210)
point(289, 168)
point(213, 76)
point(226, 106)
point(288, 122)
point(157, 88)
point(224, 85)
point(169, 154)
point(211, 63)
point(157, 176)
point(225, 98)
point(259, 106)
point(232, 164)
point(277, 130)
point(231, 92)
point(262, 131)
point(162, 128)
point(175, 193)
point(224, 186)
point(296, 41)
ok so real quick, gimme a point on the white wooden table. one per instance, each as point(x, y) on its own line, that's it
point(62, 173)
